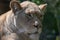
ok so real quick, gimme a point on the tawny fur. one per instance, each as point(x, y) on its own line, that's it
point(5, 16)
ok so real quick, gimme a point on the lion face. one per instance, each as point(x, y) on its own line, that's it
point(28, 23)
point(27, 19)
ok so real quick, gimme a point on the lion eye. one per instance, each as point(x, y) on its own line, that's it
point(29, 15)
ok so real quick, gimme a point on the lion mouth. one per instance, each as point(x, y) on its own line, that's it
point(32, 33)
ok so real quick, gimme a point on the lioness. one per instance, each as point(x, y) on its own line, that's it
point(21, 22)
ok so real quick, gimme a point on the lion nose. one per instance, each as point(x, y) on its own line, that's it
point(36, 24)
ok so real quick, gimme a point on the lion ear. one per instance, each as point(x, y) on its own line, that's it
point(15, 6)
point(42, 6)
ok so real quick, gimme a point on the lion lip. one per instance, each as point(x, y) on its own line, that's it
point(33, 33)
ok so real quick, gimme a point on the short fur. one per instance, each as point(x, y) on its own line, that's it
point(21, 22)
